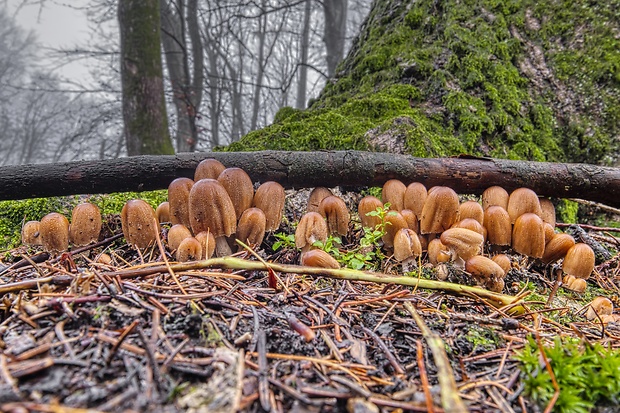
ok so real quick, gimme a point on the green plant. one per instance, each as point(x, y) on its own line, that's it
point(588, 375)
point(284, 241)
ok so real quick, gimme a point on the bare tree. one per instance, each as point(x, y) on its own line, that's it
point(335, 32)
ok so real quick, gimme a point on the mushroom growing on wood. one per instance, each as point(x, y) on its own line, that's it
point(393, 192)
point(407, 248)
point(311, 228)
point(337, 214)
point(239, 187)
point(315, 198)
point(415, 196)
point(462, 243)
point(367, 205)
point(208, 169)
point(178, 201)
point(528, 235)
point(31, 234)
point(579, 261)
point(176, 235)
point(211, 209)
point(189, 250)
point(270, 198)
point(319, 258)
point(440, 210)
point(163, 212)
point(522, 201)
point(251, 226)
point(495, 195)
point(85, 224)
point(139, 223)
point(54, 229)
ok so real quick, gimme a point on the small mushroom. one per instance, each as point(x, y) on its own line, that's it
point(598, 307)
point(163, 212)
point(498, 226)
point(528, 235)
point(486, 272)
point(336, 213)
point(547, 211)
point(472, 224)
point(31, 234)
point(54, 229)
point(251, 226)
point(394, 221)
point(437, 252)
point(367, 205)
point(557, 248)
point(207, 241)
point(522, 201)
point(415, 196)
point(208, 169)
point(495, 195)
point(176, 235)
point(412, 220)
point(462, 243)
point(575, 284)
point(139, 223)
point(239, 187)
point(270, 198)
point(319, 258)
point(85, 224)
point(393, 192)
point(178, 201)
point(407, 248)
point(440, 210)
point(315, 198)
point(311, 228)
point(579, 261)
point(549, 232)
point(189, 250)
point(503, 261)
point(471, 209)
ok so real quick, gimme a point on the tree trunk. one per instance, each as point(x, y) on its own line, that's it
point(144, 110)
point(262, 28)
point(335, 32)
point(309, 169)
point(303, 61)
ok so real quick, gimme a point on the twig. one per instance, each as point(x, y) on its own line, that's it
point(424, 377)
point(395, 364)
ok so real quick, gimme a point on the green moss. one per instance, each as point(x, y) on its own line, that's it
point(567, 211)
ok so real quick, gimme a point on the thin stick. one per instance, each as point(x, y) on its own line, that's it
point(424, 377)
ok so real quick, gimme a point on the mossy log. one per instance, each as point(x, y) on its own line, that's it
point(309, 169)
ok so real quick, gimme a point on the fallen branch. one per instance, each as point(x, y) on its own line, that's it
point(308, 169)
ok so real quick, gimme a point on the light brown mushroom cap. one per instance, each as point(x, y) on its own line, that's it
point(528, 235)
point(208, 169)
point(319, 258)
point(415, 196)
point(336, 213)
point(315, 198)
point(472, 224)
point(440, 210)
point(522, 201)
point(176, 234)
point(163, 212)
point(366, 205)
point(575, 284)
point(549, 232)
point(211, 209)
point(85, 224)
point(486, 272)
point(547, 210)
point(190, 249)
point(462, 243)
point(412, 220)
point(139, 223)
point(503, 261)
point(251, 227)
point(311, 228)
point(471, 209)
point(557, 248)
point(270, 198)
point(406, 245)
point(239, 187)
point(495, 195)
point(54, 230)
point(31, 234)
point(579, 261)
point(394, 221)
point(437, 252)
point(393, 192)
point(497, 223)
point(598, 307)
point(178, 201)
point(207, 241)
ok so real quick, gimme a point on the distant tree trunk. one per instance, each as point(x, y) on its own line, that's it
point(335, 32)
point(303, 61)
point(262, 27)
point(144, 110)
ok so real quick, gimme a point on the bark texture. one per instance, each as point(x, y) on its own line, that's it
point(309, 169)
point(144, 110)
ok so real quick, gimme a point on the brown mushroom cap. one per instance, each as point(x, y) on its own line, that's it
point(319, 258)
point(495, 195)
point(163, 212)
point(208, 169)
point(54, 230)
point(178, 201)
point(176, 234)
point(239, 187)
point(311, 228)
point(575, 284)
point(31, 234)
point(85, 224)
point(497, 223)
point(139, 223)
point(412, 220)
point(366, 205)
point(549, 232)
point(251, 226)
point(315, 198)
point(437, 252)
point(522, 201)
point(472, 224)
point(406, 245)
point(207, 241)
point(486, 271)
point(393, 192)
point(415, 196)
point(547, 211)
point(471, 209)
point(462, 243)
point(190, 249)
point(557, 248)
point(440, 210)
point(337, 214)
point(528, 235)
point(270, 198)
point(503, 261)
point(598, 307)
point(579, 261)
point(394, 221)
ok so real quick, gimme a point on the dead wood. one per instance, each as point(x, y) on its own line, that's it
point(308, 169)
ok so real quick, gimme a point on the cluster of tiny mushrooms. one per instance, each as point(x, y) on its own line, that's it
point(220, 205)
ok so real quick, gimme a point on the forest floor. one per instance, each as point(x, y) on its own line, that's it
point(131, 335)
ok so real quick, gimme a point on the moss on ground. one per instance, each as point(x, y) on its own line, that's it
point(535, 80)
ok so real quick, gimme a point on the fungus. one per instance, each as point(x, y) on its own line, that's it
point(163, 212)
point(207, 241)
point(547, 211)
point(462, 243)
point(393, 192)
point(471, 209)
point(503, 261)
point(528, 235)
point(335, 211)
point(54, 230)
point(311, 228)
point(239, 187)
point(318, 258)
point(211, 209)
point(439, 211)
point(315, 198)
point(251, 226)
point(486, 272)
point(575, 284)
point(412, 220)
point(176, 235)
point(367, 205)
point(178, 201)
point(31, 234)
point(579, 261)
point(437, 252)
point(472, 224)
point(521, 201)
point(407, 248)
point(139, 223)
point(394, 222)
point(549, 232)
point(415, 196)
point(189, 250)
point(598, 307)
point(208, 169)
point(270, 198)
point(557, 248)
point(85, 224)
point(497, 223)
point(495, 195)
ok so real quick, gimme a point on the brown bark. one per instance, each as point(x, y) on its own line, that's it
point(308, 169)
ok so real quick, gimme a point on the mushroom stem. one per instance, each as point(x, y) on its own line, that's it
point(222, 249)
